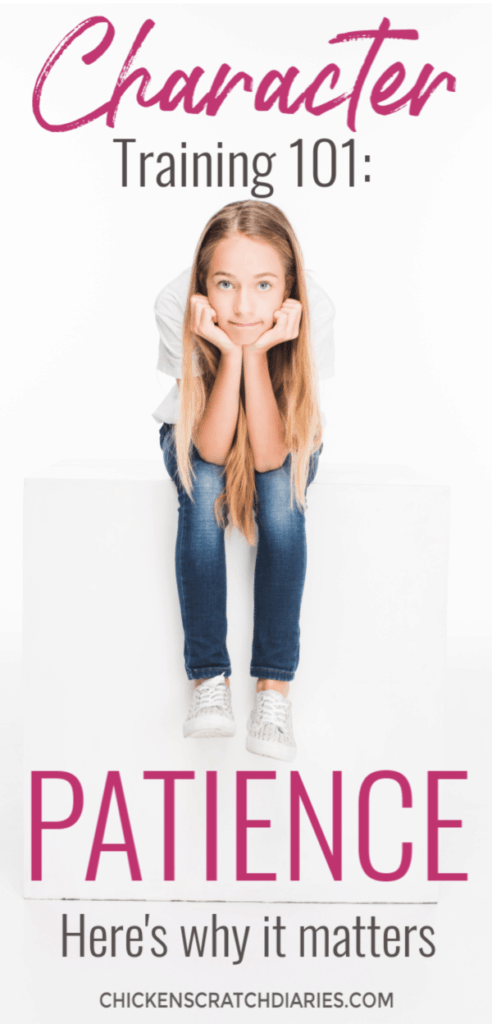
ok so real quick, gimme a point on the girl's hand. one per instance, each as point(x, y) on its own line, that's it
point(286, 322)
point(203, 323)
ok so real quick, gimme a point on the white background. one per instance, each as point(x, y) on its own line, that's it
point(405, 259)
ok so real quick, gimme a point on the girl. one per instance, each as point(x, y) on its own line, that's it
point(241, 442)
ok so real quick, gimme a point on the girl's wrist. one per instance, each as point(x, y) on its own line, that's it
point(254, 355)
point(232, 356)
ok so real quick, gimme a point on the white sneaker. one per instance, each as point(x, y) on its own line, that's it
point(210, 711)
point(270, 727)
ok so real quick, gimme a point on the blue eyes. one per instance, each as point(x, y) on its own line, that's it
point(225, 286)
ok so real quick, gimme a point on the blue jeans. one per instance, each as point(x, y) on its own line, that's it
point(280, 569)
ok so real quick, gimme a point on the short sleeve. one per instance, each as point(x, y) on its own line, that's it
point(169, 309)
point(322, 314)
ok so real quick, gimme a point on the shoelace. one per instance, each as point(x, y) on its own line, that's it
point(212, 693)
point(272, 708)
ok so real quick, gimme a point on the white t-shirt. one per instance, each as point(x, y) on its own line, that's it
point(169, 311)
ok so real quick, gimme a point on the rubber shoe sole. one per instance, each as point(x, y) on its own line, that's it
point(205, 726)
point(270, 748)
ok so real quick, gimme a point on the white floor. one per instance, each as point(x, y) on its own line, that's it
point(39, 985)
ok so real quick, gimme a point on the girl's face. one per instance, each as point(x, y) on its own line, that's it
point(245, 285)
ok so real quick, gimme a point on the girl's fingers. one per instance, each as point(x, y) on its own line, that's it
point(199, 302)
point(204, 325)
point(287, 320)
point(207, 315)
point(203, 316)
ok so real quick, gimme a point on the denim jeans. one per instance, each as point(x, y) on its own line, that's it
point(280, 569)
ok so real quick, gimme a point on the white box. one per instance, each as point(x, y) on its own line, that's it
point(106, 688)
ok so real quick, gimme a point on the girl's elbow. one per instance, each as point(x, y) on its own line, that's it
point(209, 454)
point(268, 465)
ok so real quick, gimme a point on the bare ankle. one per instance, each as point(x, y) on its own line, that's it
point(273, 684)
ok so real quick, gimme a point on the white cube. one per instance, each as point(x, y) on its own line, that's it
point(106, 689)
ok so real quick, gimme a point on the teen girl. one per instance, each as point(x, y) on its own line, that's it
point(241, 439)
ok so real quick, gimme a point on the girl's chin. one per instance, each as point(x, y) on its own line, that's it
point(242, 336)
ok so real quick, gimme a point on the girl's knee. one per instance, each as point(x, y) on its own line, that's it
point(208, 484)
point(208, 479)
point(275, 497)
point(278, 513)
point(275, 484)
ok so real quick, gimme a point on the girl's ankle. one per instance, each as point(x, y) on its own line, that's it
point(273, 684)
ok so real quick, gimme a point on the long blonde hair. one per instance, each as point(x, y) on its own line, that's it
point(291, 366)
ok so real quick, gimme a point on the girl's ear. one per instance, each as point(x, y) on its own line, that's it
point(289, 281)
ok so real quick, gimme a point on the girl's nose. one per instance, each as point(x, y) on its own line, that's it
point(243, 303)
